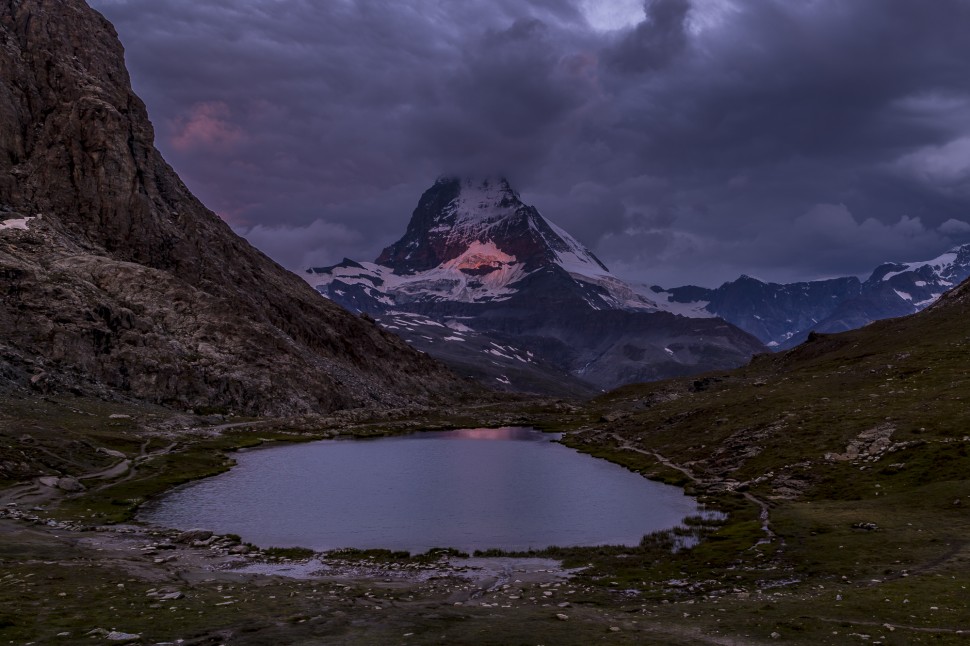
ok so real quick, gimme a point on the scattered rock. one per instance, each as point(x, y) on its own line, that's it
point(118, 636)
point(69, 484)
point(193, 535)
point(873, 442)
point(869, 527)
point(561, 617)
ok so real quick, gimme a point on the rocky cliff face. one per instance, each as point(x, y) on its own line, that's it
point(115, 279)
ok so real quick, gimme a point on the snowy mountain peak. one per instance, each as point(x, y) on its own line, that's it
point(461, 216)
point(949, 267)
point(473, 240)
point(479, 273)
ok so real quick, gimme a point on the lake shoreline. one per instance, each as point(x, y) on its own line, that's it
point(506, 490)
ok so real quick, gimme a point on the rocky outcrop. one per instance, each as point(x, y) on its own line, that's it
point(119, 281)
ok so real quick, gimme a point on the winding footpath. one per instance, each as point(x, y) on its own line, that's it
point(770, 535)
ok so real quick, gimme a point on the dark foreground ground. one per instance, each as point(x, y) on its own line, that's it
point(857, 536)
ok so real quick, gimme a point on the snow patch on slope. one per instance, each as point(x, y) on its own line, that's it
point(20, 223)
point(449, 281)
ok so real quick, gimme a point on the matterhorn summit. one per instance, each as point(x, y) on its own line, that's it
point(480, 272)
point(462, 221)
point(475, 241)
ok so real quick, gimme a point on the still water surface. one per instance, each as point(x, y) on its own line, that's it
point(511, 488)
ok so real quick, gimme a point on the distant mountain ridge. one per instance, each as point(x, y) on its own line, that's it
point(782, 315)
point(475, 257)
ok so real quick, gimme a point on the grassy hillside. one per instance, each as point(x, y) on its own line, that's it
point(855, 445)
point(840, 468)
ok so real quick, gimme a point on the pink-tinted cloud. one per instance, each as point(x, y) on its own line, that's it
point(208, 127)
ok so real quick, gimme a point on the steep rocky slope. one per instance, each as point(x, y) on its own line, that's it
point(115, 279)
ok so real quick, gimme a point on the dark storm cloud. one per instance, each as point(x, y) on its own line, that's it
point(655, 41)
point(700, 140)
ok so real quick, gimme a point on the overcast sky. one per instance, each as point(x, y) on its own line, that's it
point(683, 141)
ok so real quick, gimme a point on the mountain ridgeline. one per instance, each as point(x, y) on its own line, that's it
point(783, 315)
point(487, 284)
point(117, 281)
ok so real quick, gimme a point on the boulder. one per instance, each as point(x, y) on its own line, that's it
point(69, 484)
point(118, 636)
point(193, 535)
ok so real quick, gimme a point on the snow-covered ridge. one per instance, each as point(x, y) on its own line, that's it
point(941, 265)
point(572, 255)
point(448, 281)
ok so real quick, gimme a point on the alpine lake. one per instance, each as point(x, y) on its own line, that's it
point(511, 489)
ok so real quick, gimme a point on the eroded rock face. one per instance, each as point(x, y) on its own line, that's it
point(121, 281)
